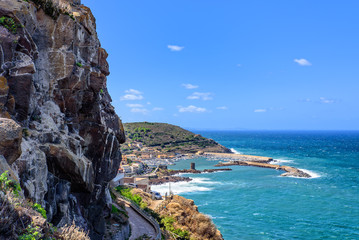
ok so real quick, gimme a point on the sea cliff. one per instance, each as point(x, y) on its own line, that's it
point(60, 135)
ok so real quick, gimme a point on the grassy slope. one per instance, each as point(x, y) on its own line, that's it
point(170, 138)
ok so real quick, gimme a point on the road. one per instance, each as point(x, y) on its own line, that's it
point(139, 224)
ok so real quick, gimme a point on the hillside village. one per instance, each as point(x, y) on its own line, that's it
point(153, 146)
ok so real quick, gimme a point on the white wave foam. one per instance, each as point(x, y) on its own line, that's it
point(196, 185)
point(311, 173)
point(235, 151)
point(211, 217)
point(275, 161)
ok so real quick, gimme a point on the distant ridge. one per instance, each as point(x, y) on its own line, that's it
point(169, 138)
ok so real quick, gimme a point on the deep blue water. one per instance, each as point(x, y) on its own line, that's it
point(256, 203)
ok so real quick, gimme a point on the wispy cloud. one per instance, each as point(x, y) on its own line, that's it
point(139, 110)
point(175, 48)
point(157, 109)
point(306, 100)
point(192, 109)
point(239, 65)
point(262, 110)
point(131, 97)
point(222, 108)
point(200, 95)
point(133, 91)
point(322, 100)
point(326, 100)
point(135, 105)
point(302, 62)
point(189, 86)
point(132, 94)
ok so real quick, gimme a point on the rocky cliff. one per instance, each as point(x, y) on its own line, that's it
point(59, 133)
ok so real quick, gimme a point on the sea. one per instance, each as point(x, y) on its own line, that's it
point(257, 203)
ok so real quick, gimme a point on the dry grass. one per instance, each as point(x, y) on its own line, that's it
point(73, 233)
point(14, 215)
point(63, 5)
point(188, 218)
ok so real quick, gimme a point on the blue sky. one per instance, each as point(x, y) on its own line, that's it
point(232, 64)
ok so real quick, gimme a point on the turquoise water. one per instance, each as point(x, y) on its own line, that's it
point(256, 203)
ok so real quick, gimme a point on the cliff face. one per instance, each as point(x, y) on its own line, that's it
point(53, 84)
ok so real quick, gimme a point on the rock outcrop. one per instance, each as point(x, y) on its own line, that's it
point(65, 142)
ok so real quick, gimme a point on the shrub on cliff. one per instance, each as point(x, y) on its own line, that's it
point(20, 219)
point(126, 192)
point(187, 218)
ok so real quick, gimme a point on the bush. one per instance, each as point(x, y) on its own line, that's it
point(39, 209)
point(7, 185)
point(126, 192)
point(32, 233)
point(9, 24)
point(168, 226)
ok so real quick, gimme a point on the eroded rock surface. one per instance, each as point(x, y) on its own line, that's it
point(53, 84)
point(10, 139)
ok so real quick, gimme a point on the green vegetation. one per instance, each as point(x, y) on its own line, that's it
point(167, 223)
point(39, 209)
point(79, 64)
point(7, 185)
point(168, 138)
point(126, 192)
point(116, 211)
point(9, 24)
point(32, 233)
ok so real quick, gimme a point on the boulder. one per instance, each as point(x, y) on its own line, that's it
point(10, 139)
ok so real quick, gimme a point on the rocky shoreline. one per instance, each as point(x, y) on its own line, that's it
point(162, 180)
point(165, 176)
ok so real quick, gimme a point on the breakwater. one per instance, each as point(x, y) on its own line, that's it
point(242, 157)
point(289, 171)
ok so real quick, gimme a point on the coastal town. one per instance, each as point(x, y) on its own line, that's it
point(140, 166)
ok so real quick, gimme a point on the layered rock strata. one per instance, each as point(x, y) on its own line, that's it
point(53, 87)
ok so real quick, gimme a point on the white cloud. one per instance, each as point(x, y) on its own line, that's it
point(199, 95)
point(131, 95)
point(239, 65)
point(260, 110)
point(134, 105)
point(192, 109)
point(326, 100)
point(157, 109)
point(139, 110)
point(175, 48)
point(133, 91)
point(302, 62)
point(189, 86)
point(222, 108)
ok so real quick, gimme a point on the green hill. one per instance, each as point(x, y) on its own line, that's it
point(168, 138)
